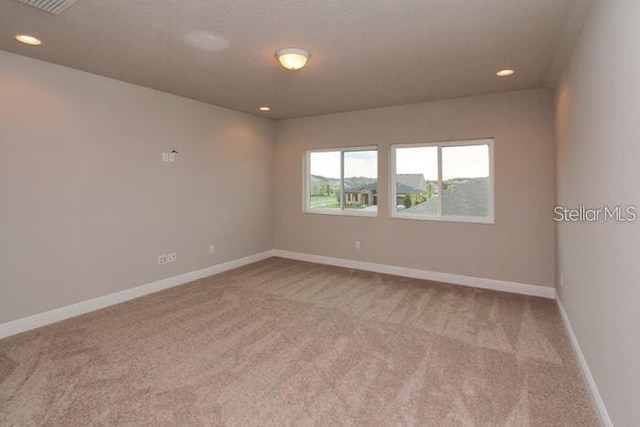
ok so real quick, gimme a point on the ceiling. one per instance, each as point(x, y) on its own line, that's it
point(364, 53)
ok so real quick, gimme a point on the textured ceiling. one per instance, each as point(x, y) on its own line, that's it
point(365, 53)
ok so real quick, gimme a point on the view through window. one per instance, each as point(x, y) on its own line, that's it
point(443, 181)
point(342, 181)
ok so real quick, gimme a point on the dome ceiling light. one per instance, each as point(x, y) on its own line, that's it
point(292, 58)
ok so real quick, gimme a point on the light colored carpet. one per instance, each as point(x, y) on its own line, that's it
point(286, 342)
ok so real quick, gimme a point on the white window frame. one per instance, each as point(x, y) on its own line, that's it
point(306, 184)
point(490, 219)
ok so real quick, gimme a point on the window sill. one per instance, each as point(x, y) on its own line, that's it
point(464, 219)
point(339, 212)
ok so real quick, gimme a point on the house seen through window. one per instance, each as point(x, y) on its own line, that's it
point(439, 181)
point(342, 181)
point(447, 181)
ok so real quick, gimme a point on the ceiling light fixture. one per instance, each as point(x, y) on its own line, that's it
point(264, 108)
point(505, 73)
point(27, 39)
point(292, 58)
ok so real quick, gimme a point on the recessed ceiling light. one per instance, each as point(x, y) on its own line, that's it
point(504, 73)
point(27, 39)
point(264, 108)
point(292, 58)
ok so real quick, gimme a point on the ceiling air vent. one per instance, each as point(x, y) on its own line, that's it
point(52, 6)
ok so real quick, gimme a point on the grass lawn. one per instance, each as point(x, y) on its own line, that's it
point(324, 202)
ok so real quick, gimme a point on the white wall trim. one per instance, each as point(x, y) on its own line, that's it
point(58, 314)
point(454, 279)
point(601, 409)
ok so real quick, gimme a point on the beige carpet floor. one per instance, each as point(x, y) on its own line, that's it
point(286, 342)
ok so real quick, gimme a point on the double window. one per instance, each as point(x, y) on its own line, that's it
point(451, 181)
point(446, 181)
point(342, 181)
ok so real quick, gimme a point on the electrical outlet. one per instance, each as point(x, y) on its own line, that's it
point(162, 259)
point(172, 257)
point(165, 157)
point(212, 248)
point(357, 244)
point(561, 281)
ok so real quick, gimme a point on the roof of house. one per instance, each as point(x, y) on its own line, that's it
point(413, 180)
point(373, 186)
point(468, 198)
point(405, 183)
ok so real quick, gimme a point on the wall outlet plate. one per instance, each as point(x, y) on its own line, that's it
point(212, 248)
point(165, 157)
point(162, 259)
point(357, 244)
point(172, 257)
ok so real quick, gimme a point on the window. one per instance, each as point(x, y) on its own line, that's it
point(447, 181)
point(342, 181)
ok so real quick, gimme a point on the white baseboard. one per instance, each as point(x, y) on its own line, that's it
point(56, 315)
point(601, 409)
point(455, 279)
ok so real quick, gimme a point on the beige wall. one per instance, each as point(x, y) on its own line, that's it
point(598, 155)
point(86, 203)
point(519, 247)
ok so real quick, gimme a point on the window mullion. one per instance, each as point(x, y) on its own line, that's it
point(440, 192)
point(342, 195)
point(307, 182)
point(392, 184)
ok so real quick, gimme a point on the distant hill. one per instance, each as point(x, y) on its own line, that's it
point(324, 179)
point(358, 181)
point(348, 182)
